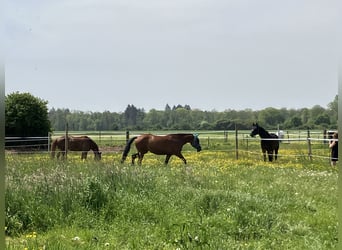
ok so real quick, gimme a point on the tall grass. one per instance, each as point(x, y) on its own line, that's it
point(214, 202)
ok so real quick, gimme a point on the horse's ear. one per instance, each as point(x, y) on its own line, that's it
point(195, 135)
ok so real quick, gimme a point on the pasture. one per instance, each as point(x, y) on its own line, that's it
point(213, 202)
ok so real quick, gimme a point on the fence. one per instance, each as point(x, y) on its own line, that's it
point(307, 144)
point(25, 143)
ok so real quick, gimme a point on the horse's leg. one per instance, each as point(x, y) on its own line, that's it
point(140, 158)
point(181, 157)
point(58, 154)
point(270, 155)
point(167, 159)
point(84, 155)
point(276, 154)
point(133, 157)
point(264, 153)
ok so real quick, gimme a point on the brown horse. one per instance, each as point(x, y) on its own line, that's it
point(168, 145)
point(79, 143)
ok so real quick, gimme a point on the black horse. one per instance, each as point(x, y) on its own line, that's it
point(267, 144)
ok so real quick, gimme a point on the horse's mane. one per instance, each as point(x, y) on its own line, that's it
point(264, 131)
point(268, 134)
point(180, 134)
point(93, 144)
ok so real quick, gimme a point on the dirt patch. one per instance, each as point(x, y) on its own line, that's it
point(115, 149)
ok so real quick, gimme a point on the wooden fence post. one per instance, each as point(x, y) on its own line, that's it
point(309, 145)
point(236, 143)
point(66, 140)
point(49, 142)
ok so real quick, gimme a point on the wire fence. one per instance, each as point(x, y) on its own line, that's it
point(293, 144)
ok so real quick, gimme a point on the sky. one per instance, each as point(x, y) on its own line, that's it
point(102, 55)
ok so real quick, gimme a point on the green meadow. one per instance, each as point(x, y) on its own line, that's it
point(213, 202)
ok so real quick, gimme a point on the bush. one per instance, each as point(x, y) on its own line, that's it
point(26, 116)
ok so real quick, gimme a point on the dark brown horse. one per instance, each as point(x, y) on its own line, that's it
point(168, 145)
point(267, 144)
point(75, 143)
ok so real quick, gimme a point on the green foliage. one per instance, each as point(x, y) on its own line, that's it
point(26, 115)
point(271, 116)
point(185, 118)
point(213, 203)
point(94, 195)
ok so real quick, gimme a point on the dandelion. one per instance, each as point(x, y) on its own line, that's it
point(76, 238)
point(32, 235)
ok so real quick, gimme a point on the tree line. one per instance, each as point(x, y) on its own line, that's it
point(183, 117)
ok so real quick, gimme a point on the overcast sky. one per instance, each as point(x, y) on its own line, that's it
point(97, 55)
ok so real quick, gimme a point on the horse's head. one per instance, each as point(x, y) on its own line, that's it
point(196, 143)
point(255, 129)
point(97, 155)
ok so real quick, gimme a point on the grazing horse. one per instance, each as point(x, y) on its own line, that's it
point(168, 145)
point(75, 143)
point(267, 144)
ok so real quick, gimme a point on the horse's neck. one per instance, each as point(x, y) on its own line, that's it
point(263, 133)
point(185, 138)
point(93, 146)
point(189, 138)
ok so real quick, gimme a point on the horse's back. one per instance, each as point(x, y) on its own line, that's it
point(157, 144)
point(141, 142)
point(75, 143)
point(275, 142)
point(146, 142)
point(83, 143)
point(59, 142)
point(270, 145)
point(165, 144)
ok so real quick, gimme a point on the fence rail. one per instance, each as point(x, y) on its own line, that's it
point(229, 141)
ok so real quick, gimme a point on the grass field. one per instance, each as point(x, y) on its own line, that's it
point(214, 202)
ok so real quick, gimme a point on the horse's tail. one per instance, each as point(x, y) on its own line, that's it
point(127, 148)
point(53, 148)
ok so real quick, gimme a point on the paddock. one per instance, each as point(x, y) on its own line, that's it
point(295, 145)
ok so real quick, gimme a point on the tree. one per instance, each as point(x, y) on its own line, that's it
point(333, 111)
point(130, 116)
point(294, 122)
point(153, 119)
point(184, 118)
point(26, 115)
point(271, 117)
point(133, 117)
point(222, 125)
point(322, 119)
